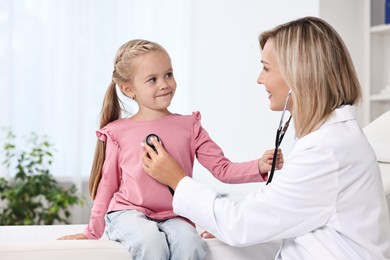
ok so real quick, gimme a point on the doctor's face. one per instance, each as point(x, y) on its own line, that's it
point(272, 79)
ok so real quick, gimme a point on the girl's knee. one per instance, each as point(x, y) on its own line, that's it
point(148, 246)
point(189, 246)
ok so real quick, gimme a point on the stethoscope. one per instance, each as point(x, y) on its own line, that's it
point(148, 140)
point(279, 137)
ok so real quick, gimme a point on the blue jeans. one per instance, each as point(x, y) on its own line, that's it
point(146, 239)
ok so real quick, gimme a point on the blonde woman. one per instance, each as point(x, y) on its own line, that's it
point(328, 201)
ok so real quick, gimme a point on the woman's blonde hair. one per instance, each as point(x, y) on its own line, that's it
point(124, 62)
point(317, 66)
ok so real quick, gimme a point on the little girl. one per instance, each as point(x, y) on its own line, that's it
point(133, 208)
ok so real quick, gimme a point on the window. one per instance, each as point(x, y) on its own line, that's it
point(56, 60)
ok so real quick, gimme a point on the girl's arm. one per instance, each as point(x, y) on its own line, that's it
point(211, 156)
point(108, 185)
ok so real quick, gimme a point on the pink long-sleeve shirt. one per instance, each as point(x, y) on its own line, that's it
point(124, 183)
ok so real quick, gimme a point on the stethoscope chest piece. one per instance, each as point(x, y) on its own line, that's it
point(148, 140)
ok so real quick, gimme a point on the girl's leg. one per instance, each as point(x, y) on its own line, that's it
point(138, 234)
point(184, 241)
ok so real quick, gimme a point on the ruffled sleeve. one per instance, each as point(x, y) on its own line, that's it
point(103, 133)
point(196, 121)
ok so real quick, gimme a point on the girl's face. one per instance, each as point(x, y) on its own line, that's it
point(153, 84)
point(272, 79)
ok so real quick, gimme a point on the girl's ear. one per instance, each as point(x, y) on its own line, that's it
point(127, 90)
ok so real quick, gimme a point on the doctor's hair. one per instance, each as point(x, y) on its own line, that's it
point(317, 66)
point(125, 63)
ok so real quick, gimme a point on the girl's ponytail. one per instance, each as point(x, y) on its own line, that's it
point(110, 112)
point(111, 109)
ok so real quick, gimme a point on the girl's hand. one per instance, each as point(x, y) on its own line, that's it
point(265, 162)
point(206, 234)
point(73, 237)
point(161, 166)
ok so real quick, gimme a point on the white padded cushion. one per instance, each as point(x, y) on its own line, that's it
point(39, 243)
point(63, 250)
point(220, 251)
point(378, 135)
point(385, 171)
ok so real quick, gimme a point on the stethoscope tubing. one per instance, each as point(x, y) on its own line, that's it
point(279, 137)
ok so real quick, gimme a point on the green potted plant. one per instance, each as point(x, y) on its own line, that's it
point(32, 196)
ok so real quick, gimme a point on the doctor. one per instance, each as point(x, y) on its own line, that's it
point(328, 200)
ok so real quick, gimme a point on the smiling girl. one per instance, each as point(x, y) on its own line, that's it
point(132, 207)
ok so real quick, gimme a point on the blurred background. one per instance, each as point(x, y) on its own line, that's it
point(56, 60)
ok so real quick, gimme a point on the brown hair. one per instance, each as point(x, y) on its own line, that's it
point(317, 66)
point(124, 62)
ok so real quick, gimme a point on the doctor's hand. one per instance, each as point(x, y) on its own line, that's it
point(161, 166)
point(265, 162)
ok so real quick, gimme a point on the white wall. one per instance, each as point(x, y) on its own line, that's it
point(225, 65)
point(351, 27)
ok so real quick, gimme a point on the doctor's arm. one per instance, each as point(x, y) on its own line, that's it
point(296, 202)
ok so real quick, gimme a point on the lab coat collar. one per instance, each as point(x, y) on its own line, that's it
point(341, 114)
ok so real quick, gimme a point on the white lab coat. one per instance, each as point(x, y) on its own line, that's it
point(326, 203)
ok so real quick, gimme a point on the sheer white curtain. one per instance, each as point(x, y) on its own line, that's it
point(56, 60)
